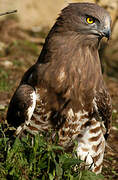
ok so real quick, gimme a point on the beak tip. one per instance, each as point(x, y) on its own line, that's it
point(107, 33)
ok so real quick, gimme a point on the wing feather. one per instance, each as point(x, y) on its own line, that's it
point(22, 105)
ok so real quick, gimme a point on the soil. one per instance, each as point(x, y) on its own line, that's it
point(19, 49)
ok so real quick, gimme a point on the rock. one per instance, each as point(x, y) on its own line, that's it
point(7, 64)
point(2, 107)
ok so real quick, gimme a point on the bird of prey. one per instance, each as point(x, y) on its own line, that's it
point(64, 90)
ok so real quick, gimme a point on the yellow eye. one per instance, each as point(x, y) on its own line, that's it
point(90, 20)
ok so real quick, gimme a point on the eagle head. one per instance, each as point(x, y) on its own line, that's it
point(86, 19)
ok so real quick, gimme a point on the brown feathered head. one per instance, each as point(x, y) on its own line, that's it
point(79, 25)
point(85, 18)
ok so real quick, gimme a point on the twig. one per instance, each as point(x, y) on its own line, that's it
point(9, 12)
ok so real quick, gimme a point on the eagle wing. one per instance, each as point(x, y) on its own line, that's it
point(23, 101)
point(35, 105)
point(104, 106)
point(22, 105)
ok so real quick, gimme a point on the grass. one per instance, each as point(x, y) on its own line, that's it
point(115, 117)
point(39, 158)
point(4, 75)
point(14, 50)
point(22, 46)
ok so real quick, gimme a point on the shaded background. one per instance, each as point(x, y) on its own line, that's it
point(21, 39)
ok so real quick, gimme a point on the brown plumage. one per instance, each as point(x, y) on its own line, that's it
point(65, 90)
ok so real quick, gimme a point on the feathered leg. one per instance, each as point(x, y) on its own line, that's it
point(90, 139)
point(91, 146)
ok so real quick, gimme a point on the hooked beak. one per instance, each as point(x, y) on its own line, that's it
point(106, 33)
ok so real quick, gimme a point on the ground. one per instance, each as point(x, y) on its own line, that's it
point(19, 49)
